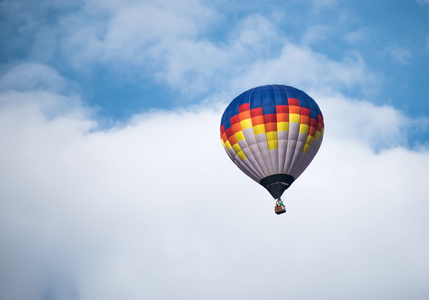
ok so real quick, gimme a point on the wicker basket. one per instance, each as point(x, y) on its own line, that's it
point(280, 209)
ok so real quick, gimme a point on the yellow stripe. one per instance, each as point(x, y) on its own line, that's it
point(317, 135)
point(308, 143)
point(258, 129)
point(294, 118)
point(239, 136)
point(283, 126)
point(304, 128)
point(272, 135)
point(246, 123)
point(228, 145)
point(273, 144)
point(223, 143)
point(272, 140)
point(306, 148)
point(241, 155)
point(236, 148)
point(309, 140)
point(239, 152)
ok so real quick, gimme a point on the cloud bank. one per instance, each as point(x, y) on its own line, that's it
point(154, 209)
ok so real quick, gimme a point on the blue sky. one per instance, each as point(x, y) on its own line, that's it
point(129, 71)
point(114, 183)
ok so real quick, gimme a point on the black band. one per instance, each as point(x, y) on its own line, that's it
point(276, 184)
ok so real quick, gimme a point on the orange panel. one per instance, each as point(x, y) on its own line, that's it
point(270, 127)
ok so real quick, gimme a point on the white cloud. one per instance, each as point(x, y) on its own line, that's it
point(400, 54)
point(172, 44)
point(31, 76)
point(305, 68)
point(200, 65)
point(423, 2)
point(358, 36)
point(315, 34)
point(378, 126)
point(133, 32)
point(154, 209)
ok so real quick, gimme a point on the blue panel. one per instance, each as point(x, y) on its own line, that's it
point(268, 101)
point(303, 101)
point(224, 117)
point(256, 98)
point(317, 108)
point(290, 92)
point(312, 105)
point(279, 95)
point(234, 107)
point(302, 97)
point(271, 109)
point(268, 97)
point(244, 97)
point(227, 124)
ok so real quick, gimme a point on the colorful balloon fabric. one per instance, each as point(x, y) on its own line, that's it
point(272, 133)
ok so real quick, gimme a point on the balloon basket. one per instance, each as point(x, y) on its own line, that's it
point(280, 209)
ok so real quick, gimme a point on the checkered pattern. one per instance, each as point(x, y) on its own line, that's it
point(273, 129)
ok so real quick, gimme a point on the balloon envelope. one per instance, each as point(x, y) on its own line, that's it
point(272, 133)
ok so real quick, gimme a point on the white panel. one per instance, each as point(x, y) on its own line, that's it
point(299, 145)
point(254, 148)
point(282, 143)
point(274, 155)
point(252, 161)
point(314, 148)
point(259, 159)
point(290, 149)
point(243, 167)
point(263, 148)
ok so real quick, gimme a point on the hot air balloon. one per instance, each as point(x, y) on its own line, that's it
point(272, 133)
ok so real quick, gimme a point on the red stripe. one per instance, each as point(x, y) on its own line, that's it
point(256, 112)
point(270, 118)
point(234, 119)
point(293, 101)
point(305, 111)
point(320, 120)
point(244, 107)
point(282, 109)
point(229, 132)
